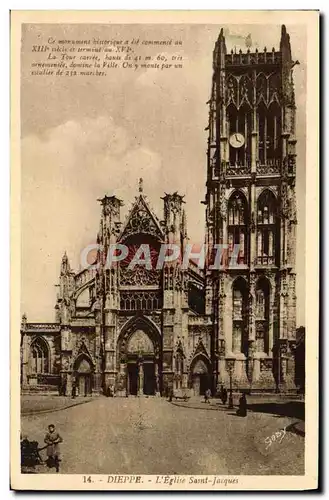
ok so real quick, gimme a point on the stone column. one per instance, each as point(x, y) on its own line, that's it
point(228, 318)
point(25, 354)
point(223, 377)
point(157, 380)
point(140, 378)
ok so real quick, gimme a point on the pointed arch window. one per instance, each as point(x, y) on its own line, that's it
point(240, 120)
point(273, 132)
point(262, 132)
point(237, 305)
point(269, 133)
point(262, 315)
point(238, 227)
point(39, 356)
point(267, 229)
point(240, 316)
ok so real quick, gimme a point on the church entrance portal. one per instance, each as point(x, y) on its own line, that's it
point(200, 377)
point(83, 376)
point(142, 365)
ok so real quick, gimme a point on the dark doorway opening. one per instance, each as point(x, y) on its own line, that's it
point(200, 384)
point(84, 385)
point(133, 378)
point(204, 383)
point(149, 379)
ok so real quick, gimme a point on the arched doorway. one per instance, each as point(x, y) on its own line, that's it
point(141, 365)
point(83, 375)
point(200, 372)
point(138, 355)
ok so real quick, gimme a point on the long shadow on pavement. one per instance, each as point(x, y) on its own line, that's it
point(293, 409)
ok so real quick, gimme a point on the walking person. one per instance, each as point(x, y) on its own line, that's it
point(207, 396)
point(224, 395)
point(74, 389)
point(242, 410)
point(53, 440)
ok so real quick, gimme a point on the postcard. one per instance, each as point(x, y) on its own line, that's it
point(164, 251)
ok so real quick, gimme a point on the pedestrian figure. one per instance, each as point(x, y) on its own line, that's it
point(60, 390)
point(52, 440)
point(74, 390)
point(171, 393)
point(224, 395)
point(207, 396)
point(242, 410)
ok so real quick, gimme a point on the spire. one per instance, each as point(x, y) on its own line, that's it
point(287, 65)
point(285, 44)
point(221, 35)
point(65, 267)
point(219, 51)
point(140, 185)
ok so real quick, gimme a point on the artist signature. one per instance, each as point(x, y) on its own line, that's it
point(277, 436)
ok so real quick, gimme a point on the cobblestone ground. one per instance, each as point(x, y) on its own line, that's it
point(153, 436)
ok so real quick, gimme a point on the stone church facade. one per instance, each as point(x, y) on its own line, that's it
point(147, 329)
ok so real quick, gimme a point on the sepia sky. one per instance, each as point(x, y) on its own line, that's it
point(86, 137)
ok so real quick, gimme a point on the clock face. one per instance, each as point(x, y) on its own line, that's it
point(237, 140)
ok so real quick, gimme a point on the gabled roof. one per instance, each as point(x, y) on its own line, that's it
point(141, 219)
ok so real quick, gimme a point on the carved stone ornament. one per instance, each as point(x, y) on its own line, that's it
point(261, 88)
point(284, 201)
point(231, 90)
point(223, 207)
point(140, 342)
point(283, 348)
point(139, 276)
point(221, 348)
point(265, 365)
point(141, 220)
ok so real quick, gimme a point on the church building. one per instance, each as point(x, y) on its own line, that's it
point(150, 328)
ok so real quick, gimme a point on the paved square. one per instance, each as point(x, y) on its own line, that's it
point(153, 436)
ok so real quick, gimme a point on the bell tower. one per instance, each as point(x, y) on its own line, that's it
point(175, 295)
point(251, 208)
point(107, 293)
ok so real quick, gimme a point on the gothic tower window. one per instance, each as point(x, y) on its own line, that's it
point(237, 226)
point(240, 314)
point(240, 121)
point(39, 356)
point(269, 133)
point(260, 304)
point(233, 123)
point(273, 152)
point(245, 128)
point(263, 138)
point(262, 314)
point(267, 229)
